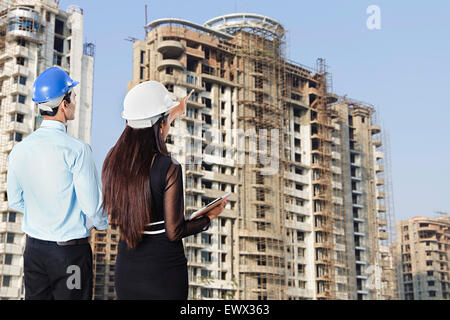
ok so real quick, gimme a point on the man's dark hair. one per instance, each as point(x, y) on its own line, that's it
point(55, 110)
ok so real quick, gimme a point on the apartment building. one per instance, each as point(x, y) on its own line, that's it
point(303, 221)
point(422, 261)
point(34, 35)
point(359, 177)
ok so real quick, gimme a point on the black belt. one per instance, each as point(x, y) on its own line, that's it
point(62, 243)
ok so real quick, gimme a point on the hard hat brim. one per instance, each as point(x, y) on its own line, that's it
point(128, 117)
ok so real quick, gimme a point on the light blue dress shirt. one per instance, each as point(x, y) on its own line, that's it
point(53, 180)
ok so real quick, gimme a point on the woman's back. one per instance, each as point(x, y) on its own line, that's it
point(157, 267)
point(158, 181)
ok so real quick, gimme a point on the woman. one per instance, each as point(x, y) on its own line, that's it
point(143, 195)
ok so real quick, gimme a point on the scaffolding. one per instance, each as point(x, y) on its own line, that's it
point(323, 185)
point(343, 218)
point(261, 66)
point(391, 291)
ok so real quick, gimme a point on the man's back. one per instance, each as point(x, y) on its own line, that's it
point(53, 180)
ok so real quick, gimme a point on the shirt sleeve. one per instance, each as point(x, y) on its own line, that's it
point(14, 190)
point(177, 227)
point(88, 188)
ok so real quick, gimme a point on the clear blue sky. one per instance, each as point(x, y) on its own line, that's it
point(403, 69)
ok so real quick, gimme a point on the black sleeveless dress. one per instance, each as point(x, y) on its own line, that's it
point(157, 268)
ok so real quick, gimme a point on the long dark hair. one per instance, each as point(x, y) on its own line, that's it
point(125, 177)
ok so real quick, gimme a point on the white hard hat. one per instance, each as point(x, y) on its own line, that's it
point(146, 103)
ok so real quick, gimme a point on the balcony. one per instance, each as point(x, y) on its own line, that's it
point(260, 269)
point(336, 170)
point(194, 190)
point(10, 292)
point(170, 63)
point(195, 171)
point(20, 51)
point(19, 89)
point(296, 193)
point(375, 129)
point(313, 91)
point(295, 209)
point(377, 143)
point(379, 168)
point(7, 147)
point(384, 249)
point(14, 227)
point(358, 205)
point(171, 48)
point(195, 104)
point(338, 200)
point(17, 127)
point(380, 182)
point(379, 155)
point(218, 80)
point(298, 103)
point(194, 245)
point(296, 177)
point(336, 141)
point(381, 208)
point(18, 108)
point(382, 222)
point(381, 195)
point(3, 74)
point(298, 225)
point(337, 185)
point(383, 235)
point(20, 70)
point(4, 55)
point(336, 155)
point(11, 248)
point(196, 53)
point(258, 234)
point(304, 293)
point(12, 270)
point(198, 264)
point(167, 79)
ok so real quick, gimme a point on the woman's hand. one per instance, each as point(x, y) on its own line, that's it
point(180, 110)
point(214, 213)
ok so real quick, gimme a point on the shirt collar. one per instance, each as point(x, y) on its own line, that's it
point(52, 124)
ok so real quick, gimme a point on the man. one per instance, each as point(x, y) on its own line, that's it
point(53, 180)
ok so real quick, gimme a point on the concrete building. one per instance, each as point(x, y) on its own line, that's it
point(34, 35)
point(303, 221)
point(422, 261)
point(360, 180)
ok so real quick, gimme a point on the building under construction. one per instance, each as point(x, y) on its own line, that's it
point(421, 258)
point(34, 35)
point(308, 219)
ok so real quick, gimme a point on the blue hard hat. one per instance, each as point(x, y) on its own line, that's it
point(51, 84)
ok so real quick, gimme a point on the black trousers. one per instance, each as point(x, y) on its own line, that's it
point(54, 272)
